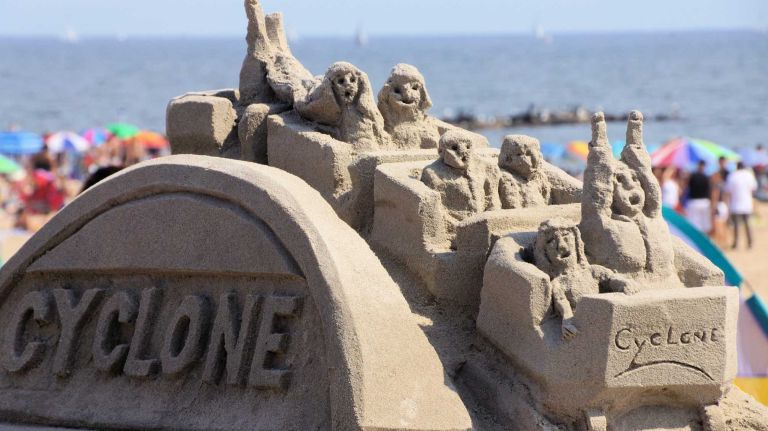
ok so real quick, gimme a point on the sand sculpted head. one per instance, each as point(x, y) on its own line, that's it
point(521, 155)
point(558, 246)
point(455, 149)
point(404, 96)
point(628, 193)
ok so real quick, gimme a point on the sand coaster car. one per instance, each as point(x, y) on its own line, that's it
point(663, 346)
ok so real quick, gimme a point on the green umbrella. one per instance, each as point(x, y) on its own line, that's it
point(122, 130)
point(8, 166)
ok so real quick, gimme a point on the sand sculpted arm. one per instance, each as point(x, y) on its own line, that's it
point(564, 309)
point(598, 176)
point(492, 199)
point(637, 158)
point(615, 282)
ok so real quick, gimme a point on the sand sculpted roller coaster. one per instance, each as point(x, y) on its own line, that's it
point(314, 258)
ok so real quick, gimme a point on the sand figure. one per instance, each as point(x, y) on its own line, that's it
point(621, 224)
point(523, 181)
point(403, 102)
point(344, 101)
point(559, 252)
point(270, 72)
point(467, 184)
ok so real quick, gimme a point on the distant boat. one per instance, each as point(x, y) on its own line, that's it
point(361, 37)
point(71, 36)
point(540, 34)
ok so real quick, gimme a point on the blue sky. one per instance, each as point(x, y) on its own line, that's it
point(377, 17)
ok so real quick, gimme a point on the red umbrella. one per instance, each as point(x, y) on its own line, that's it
point(151, 140)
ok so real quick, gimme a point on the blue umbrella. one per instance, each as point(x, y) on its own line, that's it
point(552, 151)
point(18, 143)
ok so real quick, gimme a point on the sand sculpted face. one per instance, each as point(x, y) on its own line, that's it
point(628, 193)
point(404, 96)
point(560, 248)
point(455, 150)
point(345, 86)
point(521, 155)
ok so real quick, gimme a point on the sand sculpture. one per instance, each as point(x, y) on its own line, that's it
point(525, 182)
point(559, 252)
point(621, 210)
point(467, 183)
point(326, 290)
point(344, 101)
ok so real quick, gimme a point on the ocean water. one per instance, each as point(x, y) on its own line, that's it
point(718, 81)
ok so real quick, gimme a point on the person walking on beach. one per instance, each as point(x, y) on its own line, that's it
point(739, 187)
point(698, 211)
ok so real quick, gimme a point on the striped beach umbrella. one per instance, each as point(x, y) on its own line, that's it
point(96, 135)
point(685, 153)
point(62, 142)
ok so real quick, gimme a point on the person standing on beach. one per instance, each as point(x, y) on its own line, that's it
point(739, 187)
point(698, 211)
point(720, 208)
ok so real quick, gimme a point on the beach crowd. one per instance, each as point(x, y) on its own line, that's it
point(36, 186)
point(720, 203)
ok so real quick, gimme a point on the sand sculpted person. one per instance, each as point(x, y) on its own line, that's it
point(525, 179)
point(404, 102)
point(344, 101)
point(559, 252)
point(622, 224)
point(467, 184)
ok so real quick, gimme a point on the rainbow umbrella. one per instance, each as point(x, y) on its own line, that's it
point(18, 143)
point(685, 153)
point(151, 140)
point(67, 142)
point(96, 135)
point(122, 130)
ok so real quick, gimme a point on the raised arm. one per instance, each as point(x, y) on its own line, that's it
point(598, 176)
point(636, 156)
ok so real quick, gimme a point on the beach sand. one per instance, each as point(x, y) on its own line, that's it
point(753, 264)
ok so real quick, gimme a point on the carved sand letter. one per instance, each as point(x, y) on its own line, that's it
point(18, 355)
point(136, 366)
point(269, 343)
point(72, 318)
point(232, 336)
point(183, 341)
point(108, 356)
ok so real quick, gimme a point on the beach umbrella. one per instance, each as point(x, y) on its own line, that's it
point(18, 143)
point(685, 153)
point(579, 149)
point(67, 142)
point(96, 135)
point(151, 140)
point(122, 130)
point(8, 166)
point(552, 151)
